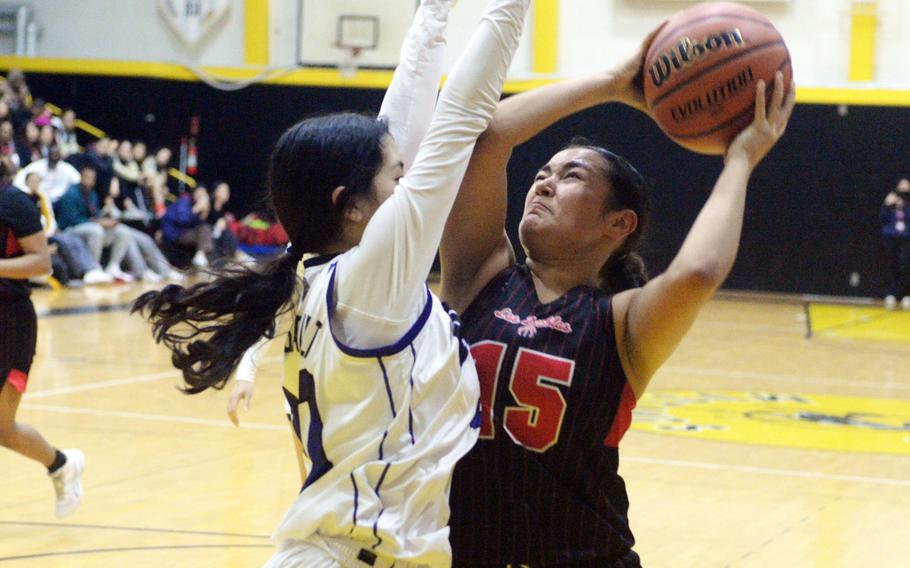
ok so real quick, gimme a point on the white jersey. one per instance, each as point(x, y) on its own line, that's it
point(383, 427)
point(386, 397)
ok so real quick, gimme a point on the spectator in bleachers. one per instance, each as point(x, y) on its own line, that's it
point(132, 200)
point(260, 233)
point(140, 153)
point(155, 169)
point(28, 146)
point(184, 224)
point(224, 240)
point(47, 138)
point(98, 155)
point(56, 175)
point(79, 265)
point(5, 113)
point(79, 213)
point(8, 144)
point(41, 115)
point(20, 98)
point(895, 229)
point(125, 168)
point(66, 134)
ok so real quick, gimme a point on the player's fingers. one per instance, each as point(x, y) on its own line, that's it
point(777, 97)
point(246, 401)
point(760, 102)
point(232, 414)
point(789, 105)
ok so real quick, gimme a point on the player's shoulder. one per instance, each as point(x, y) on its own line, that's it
point(12, 198)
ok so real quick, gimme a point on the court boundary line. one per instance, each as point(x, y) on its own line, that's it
point(128, 549)
point(151, 377)
point(768, 471)
point(132, 529)
point(151, 417)
point(102, 384)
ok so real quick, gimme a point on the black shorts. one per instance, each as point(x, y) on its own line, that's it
point(18, 336)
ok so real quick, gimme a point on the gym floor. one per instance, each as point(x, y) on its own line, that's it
point(754, 447)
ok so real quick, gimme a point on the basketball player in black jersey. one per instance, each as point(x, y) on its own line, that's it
point(23, 254)
point(566, 343)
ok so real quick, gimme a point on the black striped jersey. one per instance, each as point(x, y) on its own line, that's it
point(541, 488)
point(19, 218)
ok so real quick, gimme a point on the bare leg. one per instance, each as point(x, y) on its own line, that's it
point(21, 438)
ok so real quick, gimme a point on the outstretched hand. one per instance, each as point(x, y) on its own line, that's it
point(243, 391)
point(769, 124)
point(628, 78)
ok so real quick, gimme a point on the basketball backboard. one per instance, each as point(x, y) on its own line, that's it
point(371, 31)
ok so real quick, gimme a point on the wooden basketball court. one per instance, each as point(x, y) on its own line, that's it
point(755, 447)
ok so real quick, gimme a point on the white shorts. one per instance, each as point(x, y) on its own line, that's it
point(318, 551)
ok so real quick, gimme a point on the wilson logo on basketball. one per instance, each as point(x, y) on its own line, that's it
point(530, 325)
point(686, 52)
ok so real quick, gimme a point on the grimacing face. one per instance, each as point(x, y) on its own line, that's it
point(565, 206)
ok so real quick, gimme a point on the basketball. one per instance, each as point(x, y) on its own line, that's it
point(701, 70)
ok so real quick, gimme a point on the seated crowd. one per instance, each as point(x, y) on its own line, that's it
point(110, 210)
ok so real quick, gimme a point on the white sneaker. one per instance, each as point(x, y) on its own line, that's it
point(152, 277)
point(890, 302)
point(97, 276)
point(200, 260)
point(905, 303)
point(118, 275)
point(176, 276)
point(68, 482)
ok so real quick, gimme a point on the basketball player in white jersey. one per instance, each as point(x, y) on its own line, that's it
point(386, 385)
point(407, 108)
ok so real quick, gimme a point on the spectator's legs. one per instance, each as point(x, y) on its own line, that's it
point(903, 267)
point(135, 263)
point(200, 237)
point(76, 255)
point(93, 235)
point(226, 245)
point(152, 255)
point(120, 240)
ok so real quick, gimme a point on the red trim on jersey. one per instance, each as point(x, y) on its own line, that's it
point(12, 245)
point(623, 418)
point(18, 379)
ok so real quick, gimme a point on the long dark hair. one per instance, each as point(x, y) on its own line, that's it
point(625, 268)
point(209, 326)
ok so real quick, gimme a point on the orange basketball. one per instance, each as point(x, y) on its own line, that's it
point(701, 70)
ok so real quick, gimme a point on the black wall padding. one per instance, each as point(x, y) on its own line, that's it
point(812, 214)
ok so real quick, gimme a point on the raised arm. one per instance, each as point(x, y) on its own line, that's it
point(410, 99)
point(652, 320)
point(474, 246)
point(400, 241)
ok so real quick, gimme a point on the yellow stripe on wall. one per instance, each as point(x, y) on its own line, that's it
point(863, 28)
point(545, 58)
point(256, 32)
point(374, 79)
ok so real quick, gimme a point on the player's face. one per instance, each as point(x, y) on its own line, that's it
point(565, 207)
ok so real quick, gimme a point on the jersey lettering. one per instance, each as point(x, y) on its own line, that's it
point(535, 385)
point(306, 334)
point(488, 357)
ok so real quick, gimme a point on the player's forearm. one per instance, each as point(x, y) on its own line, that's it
point(409, 102)
point(521, 117)
point(25, 266)
point(709, 251)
